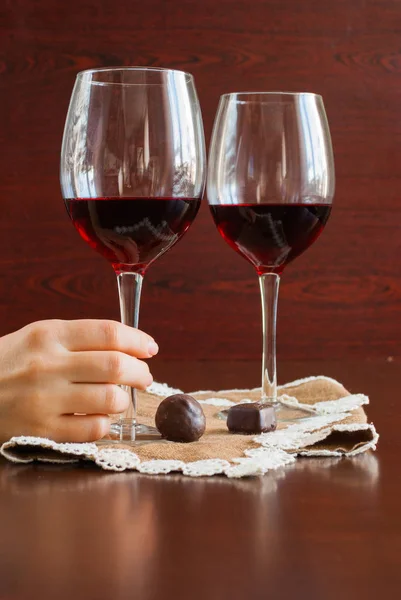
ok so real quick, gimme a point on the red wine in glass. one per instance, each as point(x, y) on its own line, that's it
point(132, 232)
point(270, 235)
point(270, 189)
point(132, 176)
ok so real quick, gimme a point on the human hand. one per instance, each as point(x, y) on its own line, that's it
point(50, 370)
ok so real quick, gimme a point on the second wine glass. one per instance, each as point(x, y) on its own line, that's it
point(132, 176)
point(270, 189)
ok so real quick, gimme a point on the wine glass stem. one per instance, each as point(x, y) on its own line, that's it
point(269, 285)
point(129, 291)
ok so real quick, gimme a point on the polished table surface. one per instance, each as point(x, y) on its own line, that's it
point(320, 529)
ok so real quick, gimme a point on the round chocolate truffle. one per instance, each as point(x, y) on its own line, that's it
point(180, 418)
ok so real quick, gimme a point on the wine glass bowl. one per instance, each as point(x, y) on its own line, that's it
point(132, 174)
point(270, 190)
point(132, 161)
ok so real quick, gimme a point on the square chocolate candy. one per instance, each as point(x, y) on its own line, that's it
point(252, 417)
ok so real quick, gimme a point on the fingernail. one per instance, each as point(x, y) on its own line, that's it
point(153, 348)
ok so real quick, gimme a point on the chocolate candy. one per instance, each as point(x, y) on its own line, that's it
point(180, 418)
point(252, 417)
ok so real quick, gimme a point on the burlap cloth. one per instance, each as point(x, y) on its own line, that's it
point(335, 425)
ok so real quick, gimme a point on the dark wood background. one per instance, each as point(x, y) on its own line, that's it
point(341, 299)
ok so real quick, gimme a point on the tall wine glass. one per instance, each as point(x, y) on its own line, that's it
point(270, 189)
point(132, 175)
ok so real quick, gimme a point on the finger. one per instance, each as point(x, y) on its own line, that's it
point(91, 334)
point(81, 428)
point(108, 367)
point(94, 399)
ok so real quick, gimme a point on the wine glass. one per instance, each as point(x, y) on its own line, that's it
point(270, 190)
point(133, 171)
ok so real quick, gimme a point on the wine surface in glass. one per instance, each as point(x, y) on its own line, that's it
point(270, 235)
point(132, 232)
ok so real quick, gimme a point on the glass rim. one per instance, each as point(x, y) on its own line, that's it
point(234, 95)
point(80, 75)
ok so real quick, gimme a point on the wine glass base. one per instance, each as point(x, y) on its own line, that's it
point(285, 414)
point(127, 431)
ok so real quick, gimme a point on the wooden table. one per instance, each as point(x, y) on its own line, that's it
point(319, 530)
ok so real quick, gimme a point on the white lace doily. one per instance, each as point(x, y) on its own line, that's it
point(277, 448)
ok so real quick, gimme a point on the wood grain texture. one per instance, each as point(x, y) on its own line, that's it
point(342, 298)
